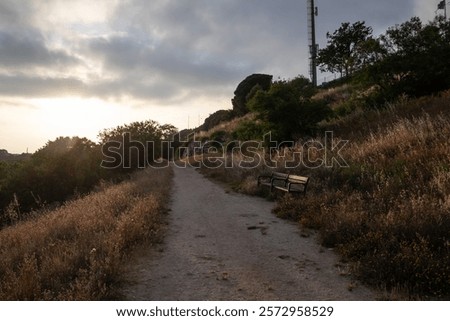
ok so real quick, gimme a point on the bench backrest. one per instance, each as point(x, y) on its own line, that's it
point(280, 176)
point(298, 179)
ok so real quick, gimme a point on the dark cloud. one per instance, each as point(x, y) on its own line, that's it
point(26, 49)
point(159, 71)
point(8, 15)
point(118, 53)
point(250, 33)
point(15, 14)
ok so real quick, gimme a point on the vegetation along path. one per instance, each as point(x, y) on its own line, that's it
point(225, 246)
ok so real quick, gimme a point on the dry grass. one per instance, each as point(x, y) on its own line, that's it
point(363, 122)
point(335, 95)
point(76, 251)
point(388, 212)
point(228, 127)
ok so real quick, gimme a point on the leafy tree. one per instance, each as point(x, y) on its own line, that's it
point(141, 131)
point(412, 58)
point(417, 61)
point(140, 142)
point(65, 166)
point(349, 48)
point(55, 172)
point(288, 110)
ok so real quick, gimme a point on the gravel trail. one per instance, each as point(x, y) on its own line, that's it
point(221, 245)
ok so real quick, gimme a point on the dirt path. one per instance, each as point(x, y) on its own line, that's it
point(226, 246)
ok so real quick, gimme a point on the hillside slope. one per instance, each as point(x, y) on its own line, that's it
point(76, 252)
point(388, 209)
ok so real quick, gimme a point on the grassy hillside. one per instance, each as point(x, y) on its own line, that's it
point(388, 212)
point(76, 251)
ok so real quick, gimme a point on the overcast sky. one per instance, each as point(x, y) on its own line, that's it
point(74, 67)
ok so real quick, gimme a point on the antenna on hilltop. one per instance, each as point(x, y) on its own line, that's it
point(312, 13)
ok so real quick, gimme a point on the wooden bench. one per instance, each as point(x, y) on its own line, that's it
point(284, 182)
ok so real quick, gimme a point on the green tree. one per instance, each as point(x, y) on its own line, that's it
point(58, 170)
point(348, 49)
point(417, 61)
point(288, 110)
point(149, 134)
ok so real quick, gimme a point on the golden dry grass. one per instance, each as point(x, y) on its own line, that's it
point(76, 251)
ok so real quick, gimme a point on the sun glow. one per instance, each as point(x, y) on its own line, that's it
point(76, 116)
point(31, 123)
point(28, 124)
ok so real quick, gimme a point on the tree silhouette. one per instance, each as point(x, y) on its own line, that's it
point(348, 49)
point(418, 61)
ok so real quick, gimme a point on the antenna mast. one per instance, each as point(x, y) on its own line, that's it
point(312, 13)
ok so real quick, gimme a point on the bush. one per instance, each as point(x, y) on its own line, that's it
point(250, 130)
point(288, 110)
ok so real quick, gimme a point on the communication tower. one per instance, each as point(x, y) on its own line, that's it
point(312, 13)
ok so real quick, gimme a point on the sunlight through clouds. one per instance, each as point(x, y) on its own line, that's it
point(79, 12)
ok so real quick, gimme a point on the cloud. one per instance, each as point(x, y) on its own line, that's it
point(28, 49)
point(184, 49)
point(21, 85)
point(163, 71)
point(380, 14)
point(252, 34)
point(218, 43)
point(15, 14)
